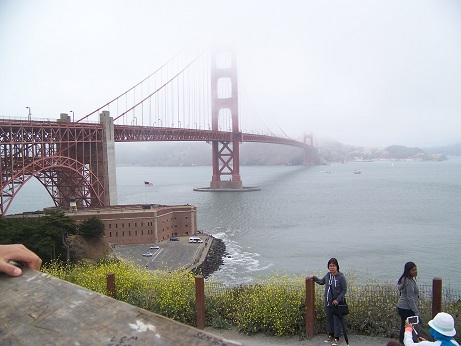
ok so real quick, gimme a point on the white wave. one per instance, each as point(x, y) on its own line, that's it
point(239, 266)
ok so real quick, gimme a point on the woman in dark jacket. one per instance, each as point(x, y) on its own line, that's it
point(335, 290)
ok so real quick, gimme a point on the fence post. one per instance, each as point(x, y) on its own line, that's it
point(200, 301)
point(436, 296)
point(110, 278)
point(310, 307)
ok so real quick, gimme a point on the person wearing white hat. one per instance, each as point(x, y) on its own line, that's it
point(442, 329)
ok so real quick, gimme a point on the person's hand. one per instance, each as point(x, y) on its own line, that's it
point(335, 302)
point(310, 277)
point(408, 324)
point(17, 252)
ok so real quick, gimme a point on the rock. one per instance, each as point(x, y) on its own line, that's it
point(213, 260)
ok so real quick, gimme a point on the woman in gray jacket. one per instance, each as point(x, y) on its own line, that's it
point(409, 295)
point(335, 290)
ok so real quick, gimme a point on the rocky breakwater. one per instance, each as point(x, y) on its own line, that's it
point(213, 259)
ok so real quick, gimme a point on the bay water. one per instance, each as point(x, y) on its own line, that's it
point(373, 222)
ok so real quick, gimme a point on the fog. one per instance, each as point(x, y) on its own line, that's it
point(368, 73)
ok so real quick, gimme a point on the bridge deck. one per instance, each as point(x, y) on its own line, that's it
point(37, 309)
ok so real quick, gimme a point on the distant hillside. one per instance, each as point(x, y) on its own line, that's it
point(332, 151)
point(251, 154)
point(198, 153)
point(449, 150)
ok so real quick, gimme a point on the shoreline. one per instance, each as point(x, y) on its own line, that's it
point(212, 259)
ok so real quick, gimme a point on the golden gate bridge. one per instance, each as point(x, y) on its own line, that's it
point(184, 100)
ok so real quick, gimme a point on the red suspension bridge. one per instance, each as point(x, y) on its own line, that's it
point(74, 160)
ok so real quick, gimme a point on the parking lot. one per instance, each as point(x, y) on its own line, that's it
point(170, 255)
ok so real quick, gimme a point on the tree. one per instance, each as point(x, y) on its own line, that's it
point(43, 235)
point(91, 228)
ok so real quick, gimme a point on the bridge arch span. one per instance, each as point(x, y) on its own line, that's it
point(64, 179)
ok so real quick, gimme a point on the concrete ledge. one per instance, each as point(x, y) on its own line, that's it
point(38, 309)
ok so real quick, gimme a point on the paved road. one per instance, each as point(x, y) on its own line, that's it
point(317, 340)
point(171, 255)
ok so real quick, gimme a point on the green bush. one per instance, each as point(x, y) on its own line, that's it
point(272, 307)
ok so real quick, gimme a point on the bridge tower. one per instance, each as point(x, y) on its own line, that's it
point(309, 153)
point(224, 102)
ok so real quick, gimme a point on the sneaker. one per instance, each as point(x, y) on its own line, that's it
point(329, 339)
point(335, 342)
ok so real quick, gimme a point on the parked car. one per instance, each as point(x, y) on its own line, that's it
point(174, 239)
point(148, 254)
point(195, 240)
point(154, 247)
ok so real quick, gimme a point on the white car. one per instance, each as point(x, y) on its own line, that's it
point(148, 254)
point(154, 247)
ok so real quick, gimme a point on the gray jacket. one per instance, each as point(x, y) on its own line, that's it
point(335, 287)
point(409, 295)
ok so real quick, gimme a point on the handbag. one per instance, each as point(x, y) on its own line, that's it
point(342, 309)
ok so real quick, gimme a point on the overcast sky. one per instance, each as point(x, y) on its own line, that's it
point(369, 73)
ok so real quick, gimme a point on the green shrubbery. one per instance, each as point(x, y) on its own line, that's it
point(171, 294)
point(274, 306)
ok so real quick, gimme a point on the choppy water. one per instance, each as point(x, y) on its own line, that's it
point(372, 222)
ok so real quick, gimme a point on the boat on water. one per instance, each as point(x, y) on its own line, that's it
point(358, 171)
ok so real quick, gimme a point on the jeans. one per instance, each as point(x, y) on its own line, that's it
point(404, 314)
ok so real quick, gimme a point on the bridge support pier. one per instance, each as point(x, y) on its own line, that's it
point(110, 183)
point(94, 184)
point(227, 156)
